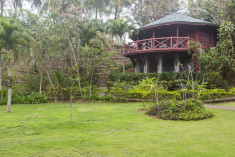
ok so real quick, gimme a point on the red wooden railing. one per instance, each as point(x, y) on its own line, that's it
point(158, 44)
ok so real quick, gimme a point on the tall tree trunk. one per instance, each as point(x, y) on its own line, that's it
point(81, 9)
point(87, 67)
point(9, 88)
point(46, 68)
point(75, 58)
point(116, 12)
point(49, 78)
point(96, 9)
point(40, 85)
point(2, 5)
point(92, 72)
point(70, 106)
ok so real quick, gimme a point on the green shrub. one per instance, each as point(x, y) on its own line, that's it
point(106, 98)
point(232, 91)
point(33, 98)
point(119, 91)
point(213, 79)
point(190, 109)
point(214, 94)
point(216, 82)
point(4, 92)
point(94, 96)
point(145, 91)
point(3, 101)
point(26, 98)
point(31, 83)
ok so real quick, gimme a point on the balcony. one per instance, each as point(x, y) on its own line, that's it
point(164, 44)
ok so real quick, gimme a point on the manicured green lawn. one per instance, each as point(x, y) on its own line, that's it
point(229, 104)
point(111, 129)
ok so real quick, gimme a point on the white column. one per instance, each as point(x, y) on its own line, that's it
point(146, 64)
point(159, 67)
point(177, 64)
point(137, 66)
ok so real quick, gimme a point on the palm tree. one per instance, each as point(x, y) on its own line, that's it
point(11, 39)
point(89, 30)
point(90, 36)
point(99, 6)
point(45, 6)
point(118, 28)
point(118, 4)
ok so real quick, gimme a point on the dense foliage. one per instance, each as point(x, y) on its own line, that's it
point(24, 98)
point(214, 11)
point(190, 109)
point(39, 50)
point(171, 79)
point(221, 58)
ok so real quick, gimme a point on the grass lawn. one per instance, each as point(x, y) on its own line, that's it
point(229, 104)
point(111, 129)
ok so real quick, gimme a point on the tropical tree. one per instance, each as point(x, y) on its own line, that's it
point(119, 4)
point(100, 6)
point(146, 11)
point(118, 28)
point(213, 11)
point(2, 56)
point(221, 58)
point(89, 30)
point(48, 6)
point(12, 39)
point(96, 7)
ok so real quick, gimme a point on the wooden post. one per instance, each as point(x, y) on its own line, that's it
point(152, 41)
point(196, 62)
point(188, 42)
point(177, 31)
point(153, 33)
point(136, 45)
point(137, 42)
point(196, 59)
point(171, 41)
point(175, 62)
point(177, 35)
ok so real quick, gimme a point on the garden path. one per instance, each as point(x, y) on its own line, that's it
point(220, 107)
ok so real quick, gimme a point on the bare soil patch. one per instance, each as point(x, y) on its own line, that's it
point(143, 111)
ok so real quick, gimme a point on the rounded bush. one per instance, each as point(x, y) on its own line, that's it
point(189, 109)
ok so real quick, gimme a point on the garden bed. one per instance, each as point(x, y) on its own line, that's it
point(189, 109)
